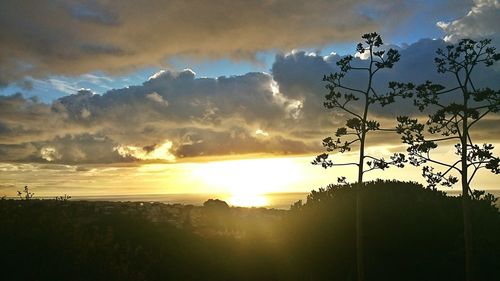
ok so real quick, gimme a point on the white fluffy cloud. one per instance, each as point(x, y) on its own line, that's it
point(158, 152)
point(482, 20)
point(49, 153)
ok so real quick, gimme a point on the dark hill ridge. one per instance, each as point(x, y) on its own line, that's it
point(411, 233)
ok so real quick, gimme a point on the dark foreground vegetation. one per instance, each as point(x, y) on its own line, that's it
point(410, 233)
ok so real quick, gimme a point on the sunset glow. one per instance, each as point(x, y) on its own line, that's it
point(143, 100)
point(250, 177)
point(246, 181)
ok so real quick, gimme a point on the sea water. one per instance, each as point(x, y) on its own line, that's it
point(270, 200)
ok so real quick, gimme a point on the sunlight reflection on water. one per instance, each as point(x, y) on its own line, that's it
point(270, 200)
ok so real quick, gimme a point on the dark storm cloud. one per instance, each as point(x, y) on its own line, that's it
point(42, 37)
point(299, 75)
point(24, 120)
point(174, 115)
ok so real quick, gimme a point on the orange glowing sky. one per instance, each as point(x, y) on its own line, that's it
point(222, 97)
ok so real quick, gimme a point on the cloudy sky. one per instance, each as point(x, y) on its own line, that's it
point(109, 97)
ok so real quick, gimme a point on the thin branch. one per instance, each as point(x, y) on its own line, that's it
point(470, 140)
point(479, 118)
point(473, 163)
point(472, 85)
point(449, 169)
point(386, 130)
point(371, 157)
point(460, 83)
point(369, 170)
point(344, 164)
point(458, 128)
point(374, 93)
point(447, 91)
point(359, 68)
point(443, 139)
point(439, 162)
point(351, 89)
point(348, 110)
point(476, 168)
point(353, 141)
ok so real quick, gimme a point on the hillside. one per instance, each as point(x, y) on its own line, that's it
point(411, 233)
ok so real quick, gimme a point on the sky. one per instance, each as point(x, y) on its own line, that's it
point(157, 96)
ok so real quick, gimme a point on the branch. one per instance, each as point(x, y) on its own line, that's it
point(459, 81)
point(458, 128)
point(344, 164)
point(336, 103)
point(474, 163)
point(374, 93)
point(378, 68)
point(479, 118)
point(323, 160)
point(351, 89)
point(371, 157)
point(369, 170)
point(443, 139)
point(444, 125)
point(447, 91)
point(449, 169)
point(386, 130)
point(470, 140)
point(440, 163)
point(472, 85)
point(359, 68)
point(476, 168)
point(353, 141)
point(350, 111)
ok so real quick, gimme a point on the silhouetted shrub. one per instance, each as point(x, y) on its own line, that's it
point(215, 204)
point(411, 233)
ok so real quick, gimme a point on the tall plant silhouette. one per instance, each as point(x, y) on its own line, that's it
point(355, 103)
point(454, 113)
point(27, 194)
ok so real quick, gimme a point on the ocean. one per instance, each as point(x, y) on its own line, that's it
point(270, 200)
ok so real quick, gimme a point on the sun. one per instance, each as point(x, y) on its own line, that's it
point(248, 200)
point(247, 181)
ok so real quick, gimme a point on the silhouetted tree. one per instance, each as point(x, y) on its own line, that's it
point(356, 103)
point(296, 205)
point(454, 113)
point(217, 213)
point(27, 194)
point(215, 204)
